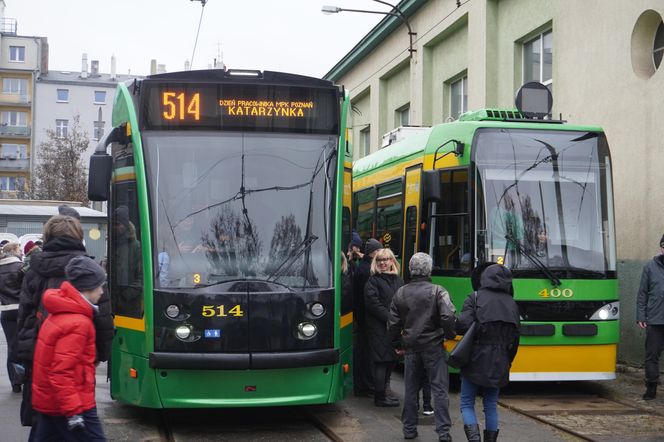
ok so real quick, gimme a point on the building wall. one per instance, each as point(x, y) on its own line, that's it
point(594, 82)
point(32, 52)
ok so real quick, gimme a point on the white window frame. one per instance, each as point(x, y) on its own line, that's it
point(61, 127)
point(57, 95)
point(17, 54)
point(403, 110)
point(95, 97)
point(19, 151)
point(539, 37)
point(5, 181)
point(365, 140)
point(98, 129)
point(14, 86)
point(14, 118)
point(463, 80)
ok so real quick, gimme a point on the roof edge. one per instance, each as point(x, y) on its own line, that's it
point(373, 38)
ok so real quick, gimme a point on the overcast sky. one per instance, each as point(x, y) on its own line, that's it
point(283, 35)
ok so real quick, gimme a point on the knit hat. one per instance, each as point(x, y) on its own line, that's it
point(27, 247)
point(84, 274)
point(371, 246)
point(65, 210)
point(122, 215)
point(356, 240)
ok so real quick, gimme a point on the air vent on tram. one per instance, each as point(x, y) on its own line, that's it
point(492, 114)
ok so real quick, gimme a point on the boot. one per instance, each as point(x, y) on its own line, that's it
point(651, 391)
point(382, 400)
point(490, 436)
point(472, 433)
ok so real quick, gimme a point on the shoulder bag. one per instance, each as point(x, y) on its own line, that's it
point(460, 355)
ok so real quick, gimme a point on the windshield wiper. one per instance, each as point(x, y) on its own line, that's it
point(247, 280)
point(535, 260)
point(582, 272)
point(288, 262)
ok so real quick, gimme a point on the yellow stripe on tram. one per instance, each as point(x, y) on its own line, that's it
point(130, 323)
point(346, 320)
point(565, 358)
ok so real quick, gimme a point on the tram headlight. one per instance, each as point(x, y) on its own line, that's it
point(172, 311)
point(607, 312)
point(306, 330)
point(317, 309)
point(183, 332)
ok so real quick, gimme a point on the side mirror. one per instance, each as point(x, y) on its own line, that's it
point(431, 187)
point(99, 176)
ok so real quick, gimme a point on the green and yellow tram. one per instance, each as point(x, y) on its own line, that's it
point(533, 194)
point(225, 193)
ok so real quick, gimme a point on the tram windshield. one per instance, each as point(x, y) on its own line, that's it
point(233, 206)
point(545, 202)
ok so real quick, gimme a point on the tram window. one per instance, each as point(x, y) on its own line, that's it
point(125, 260)
point(450, 225)
point(389, 216)
point(364, 214)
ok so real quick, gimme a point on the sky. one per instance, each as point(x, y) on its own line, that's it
point(281, 35)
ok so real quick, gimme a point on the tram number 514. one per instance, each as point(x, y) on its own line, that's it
point(220, 310)
point(556, 293)
point(180, 107)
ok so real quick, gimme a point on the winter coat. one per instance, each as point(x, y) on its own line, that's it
point(63, 373)
point(378, 294)
point(497, 338)
point(650, 300)
point(360, 277)
point(11, 278)
point(421, 316)
point(47, 270)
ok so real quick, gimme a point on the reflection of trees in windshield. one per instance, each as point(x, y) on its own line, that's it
point(286, 238)
point(232, 245)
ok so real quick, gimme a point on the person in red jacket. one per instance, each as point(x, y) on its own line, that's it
point(63, 380)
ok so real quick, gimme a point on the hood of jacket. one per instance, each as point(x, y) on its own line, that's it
point(57, 252)
point(66, 299)
point(497, 278)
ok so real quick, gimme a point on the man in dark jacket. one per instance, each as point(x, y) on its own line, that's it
point(421, 316)
point(362, 377)
point(494, 348)
point(650, 316)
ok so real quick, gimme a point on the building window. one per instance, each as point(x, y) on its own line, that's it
point(100, 97)
point(459, 97)
point(403, 116)
point(17, 86)
point(8, 183)
point(62, 96)
point(538, 59)
point(365, 141)
point(98, 130)
point(658, 47)
point(61, 128)
point(17, 53)
point(14, 151)
point(13, 118)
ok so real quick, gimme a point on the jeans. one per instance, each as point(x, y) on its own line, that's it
point(469, 391)
point(433, 362)
point(54, 429)
point(8, 320)
point(426, 391)
point(654, 347)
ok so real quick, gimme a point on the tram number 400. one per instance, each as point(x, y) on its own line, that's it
point(220, 310)
point(556, 293)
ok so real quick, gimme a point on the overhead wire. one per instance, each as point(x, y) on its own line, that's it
point(200, 20)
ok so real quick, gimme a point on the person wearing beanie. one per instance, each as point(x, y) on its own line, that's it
point(650, 316)
point(11, 278)
point(63, 386)
point(65, 210)
point(362, 375)
point(29, 250)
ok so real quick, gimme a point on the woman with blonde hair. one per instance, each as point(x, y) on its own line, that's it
point(378, 292)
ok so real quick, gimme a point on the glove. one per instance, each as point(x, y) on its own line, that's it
point(75, 422)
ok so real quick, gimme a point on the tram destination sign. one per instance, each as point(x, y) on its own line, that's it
point(240, 107)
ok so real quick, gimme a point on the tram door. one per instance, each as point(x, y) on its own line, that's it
point(411, 216)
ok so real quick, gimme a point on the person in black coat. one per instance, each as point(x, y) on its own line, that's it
point(494, 348)
point(363, 383)
point(11, 278)
point(63, 240)
point(378, 293)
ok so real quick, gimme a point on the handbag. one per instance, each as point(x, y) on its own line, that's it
point(460, 355)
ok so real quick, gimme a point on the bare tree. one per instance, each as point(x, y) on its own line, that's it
point(60, 173)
